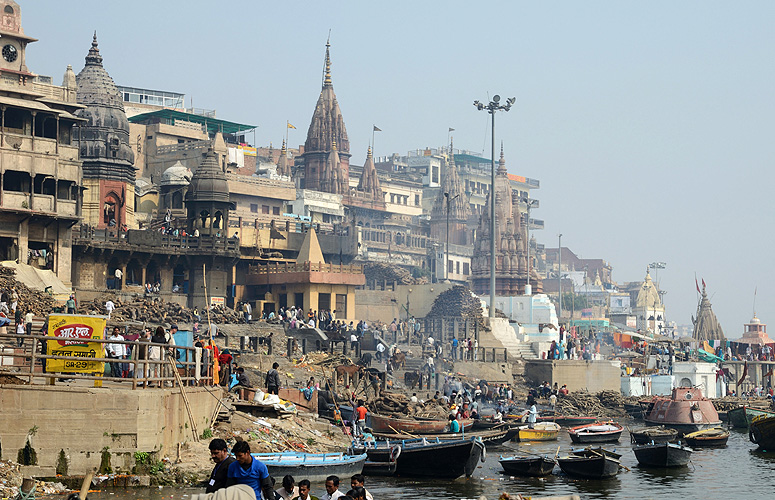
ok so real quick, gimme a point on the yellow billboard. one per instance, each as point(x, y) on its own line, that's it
point(70, 337)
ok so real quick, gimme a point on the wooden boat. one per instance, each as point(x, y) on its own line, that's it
point(424, 458)
point(567, 420)
point(662, 455)
point(707, 438)
point(491, 437)
point(600, 432)
point(312, 466)
point(742, 416)
point(592, 464)
point(686, 410)
point(531, 466)
point(591, 452)
point(653, 435)
point(542, 431)
point(386, 424)
point(762, 432)
point(635, 410)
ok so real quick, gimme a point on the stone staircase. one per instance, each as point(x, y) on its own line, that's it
point(504, 334)
point(523, 350)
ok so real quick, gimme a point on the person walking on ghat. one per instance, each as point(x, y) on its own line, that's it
point(273, 379)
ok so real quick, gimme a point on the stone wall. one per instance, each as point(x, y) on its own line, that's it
point(86, 423)
point(578, 375)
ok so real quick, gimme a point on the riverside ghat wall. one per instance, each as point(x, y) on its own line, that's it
point(89, 425)
point(578, 375)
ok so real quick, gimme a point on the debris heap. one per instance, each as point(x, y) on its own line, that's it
point(41, 303)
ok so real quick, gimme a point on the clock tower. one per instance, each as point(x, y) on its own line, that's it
point(13, 42)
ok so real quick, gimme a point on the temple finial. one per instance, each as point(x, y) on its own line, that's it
point(327, 79)
point(369, 154)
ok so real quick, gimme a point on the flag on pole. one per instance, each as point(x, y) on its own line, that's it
point(377, 129)
point(698, 285)
point(291, 126)
point(451, 129)
point(703, 282)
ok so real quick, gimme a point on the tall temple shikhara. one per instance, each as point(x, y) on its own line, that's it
point(511, 264)
point(327, 149)
point(108, 160)
point(451, 197)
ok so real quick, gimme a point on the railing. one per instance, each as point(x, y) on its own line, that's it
point(298, 267)
point(151, 238)
point(26, 351)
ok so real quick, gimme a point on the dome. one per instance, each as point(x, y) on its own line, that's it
point(176, 175)
point(209, 181)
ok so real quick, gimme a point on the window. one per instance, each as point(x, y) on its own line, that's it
point(457, 267)
point(450, 266)
point(275, 210)
point(264, 209)
point(465, 269)
point(417, 200)
point(254, 208)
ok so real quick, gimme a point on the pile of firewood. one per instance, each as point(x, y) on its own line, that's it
point(39, 302)
point(155, 310)
point(379, 273)
point(399, 405)
point(458, 302)
point(582, 403)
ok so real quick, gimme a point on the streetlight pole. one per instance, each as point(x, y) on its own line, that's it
point(446, 246)
point(529, 204)
point(491, 108)
point(559, 275)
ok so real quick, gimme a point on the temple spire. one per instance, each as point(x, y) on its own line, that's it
point(502, 162)
point(94, 57)
point(327, 80)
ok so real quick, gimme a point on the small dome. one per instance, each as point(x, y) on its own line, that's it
point(177, 175)
point(755, 321)
point(209, 181)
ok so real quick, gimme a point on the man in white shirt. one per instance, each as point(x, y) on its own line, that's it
point(109, 306)
point(116, 351)
point(332, 489)
point(118, 275)
point(28, 322)
point(430, 341)
point(380, 351)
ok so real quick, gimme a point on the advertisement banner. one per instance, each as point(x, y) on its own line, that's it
point(217, 301)
point(70, 335)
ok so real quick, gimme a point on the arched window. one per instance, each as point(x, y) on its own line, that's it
point(8, 9)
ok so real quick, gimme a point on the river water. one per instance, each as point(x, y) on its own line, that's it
point(737, 471)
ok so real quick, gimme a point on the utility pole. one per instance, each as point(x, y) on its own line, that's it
point(491, 108)
point(559, 276)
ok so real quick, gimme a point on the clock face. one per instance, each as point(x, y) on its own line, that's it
point(10, 53)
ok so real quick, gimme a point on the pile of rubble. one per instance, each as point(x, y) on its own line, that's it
point(155, 310)
point(378, 272)
point(41, 303)
point(602, 404)
point(11, 480)
point(399, 405)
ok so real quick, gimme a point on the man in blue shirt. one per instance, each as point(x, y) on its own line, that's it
point(454, 348)
point(249, 471)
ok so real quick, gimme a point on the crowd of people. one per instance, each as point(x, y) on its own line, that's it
point(241, 470)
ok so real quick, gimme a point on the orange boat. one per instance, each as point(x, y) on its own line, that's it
point(386, 425)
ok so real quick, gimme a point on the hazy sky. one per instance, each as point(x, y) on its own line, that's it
point(647, 123)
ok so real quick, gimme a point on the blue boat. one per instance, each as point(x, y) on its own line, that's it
point(312, 466)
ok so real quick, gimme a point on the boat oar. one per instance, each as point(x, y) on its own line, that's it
point(404, 433)
point(85, 485)
point(557, 454)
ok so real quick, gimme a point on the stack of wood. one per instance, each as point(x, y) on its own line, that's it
point(154, 310)
point(398, 405)
point(457, 302)
point(39, 302)
point(378, 272)
point(602, 404)
point(731, 402)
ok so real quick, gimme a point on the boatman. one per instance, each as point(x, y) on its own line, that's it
point(249, 471)
point(220, 455)
point(532, 412)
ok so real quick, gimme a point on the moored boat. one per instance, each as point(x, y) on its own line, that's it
point(707, 438)
point(685, 411)
point(312, 466)
point(531, 466)
point(762, 432)
point(653, 435)
point(599, 432)
point(424, 458)
point(592, 465)
point(386, 424)
point(662, 454)
point(567, 420)
point(493, 436)
point(742, 416)
point(541, 431)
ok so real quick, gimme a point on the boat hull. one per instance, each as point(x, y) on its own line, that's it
point(662, 455)
point(591, 434)
point(386, 425)
point(490, 437)
point(654, 435)
point(685, 411)
point(762, 433)
point(528, 466)
point(443, 459)
point(597, 467)
point(709, 438)
point(316, 467)
point(540, 433)
point(741, 417)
